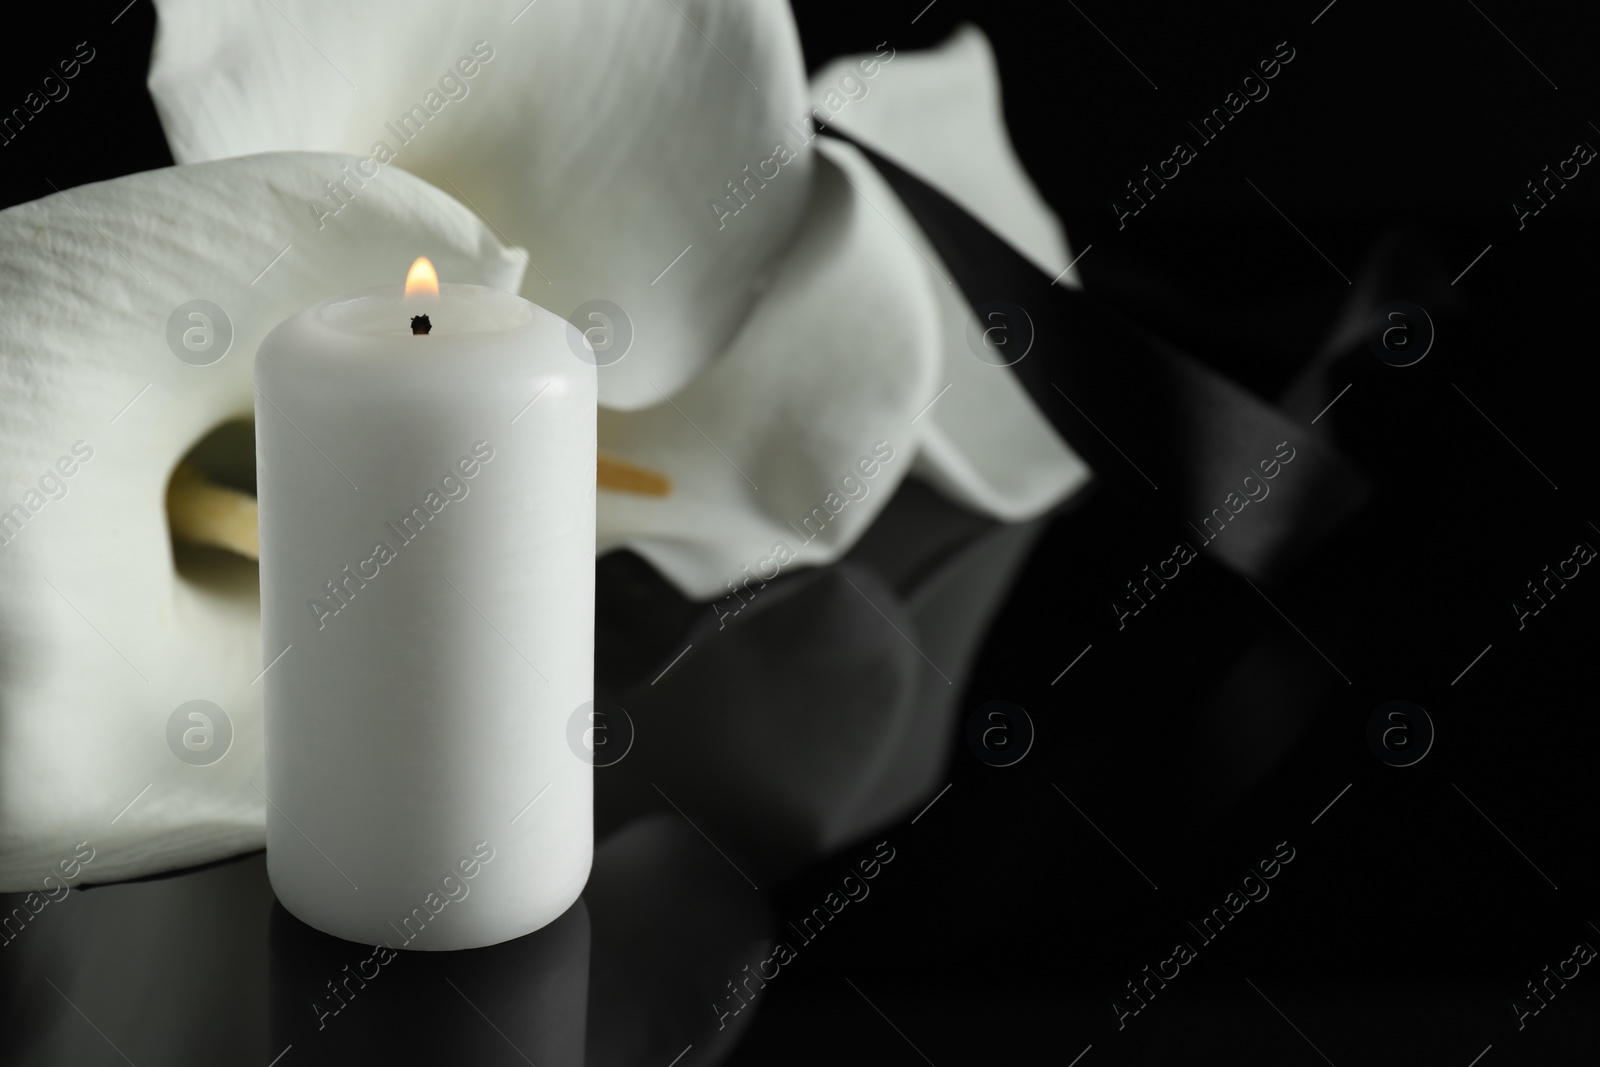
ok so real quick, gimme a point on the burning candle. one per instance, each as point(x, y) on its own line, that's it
point(426, 482)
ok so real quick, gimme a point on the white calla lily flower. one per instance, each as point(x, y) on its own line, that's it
point(590, 135)
point(104, 638)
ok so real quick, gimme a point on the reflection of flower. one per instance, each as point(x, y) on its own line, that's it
point(765, 357)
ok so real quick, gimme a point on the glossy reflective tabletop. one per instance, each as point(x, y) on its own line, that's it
point(814, 851)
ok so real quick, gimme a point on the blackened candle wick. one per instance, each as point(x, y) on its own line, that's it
point(420, 324)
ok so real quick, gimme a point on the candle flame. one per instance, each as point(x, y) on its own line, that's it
point(422, 279)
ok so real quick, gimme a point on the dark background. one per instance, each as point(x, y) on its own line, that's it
point(1210, 729)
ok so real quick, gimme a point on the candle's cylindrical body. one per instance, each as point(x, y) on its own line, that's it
point(427, 603)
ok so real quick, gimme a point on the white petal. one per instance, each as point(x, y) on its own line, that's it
point(985, 444)
point(103, 638)
point(938, 114)
point(840, 354)
point(595, 137)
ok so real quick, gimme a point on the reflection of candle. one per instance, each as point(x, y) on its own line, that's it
point(362, 1005)
point(427, 560)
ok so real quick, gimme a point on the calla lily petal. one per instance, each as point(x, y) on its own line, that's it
point(596, 136)
point(838, 356)
point(938, 113)
point(103, 637)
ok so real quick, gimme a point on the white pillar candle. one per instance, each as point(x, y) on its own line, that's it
point(427, 603)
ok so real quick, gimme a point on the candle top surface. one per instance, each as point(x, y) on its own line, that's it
point(458, 310)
